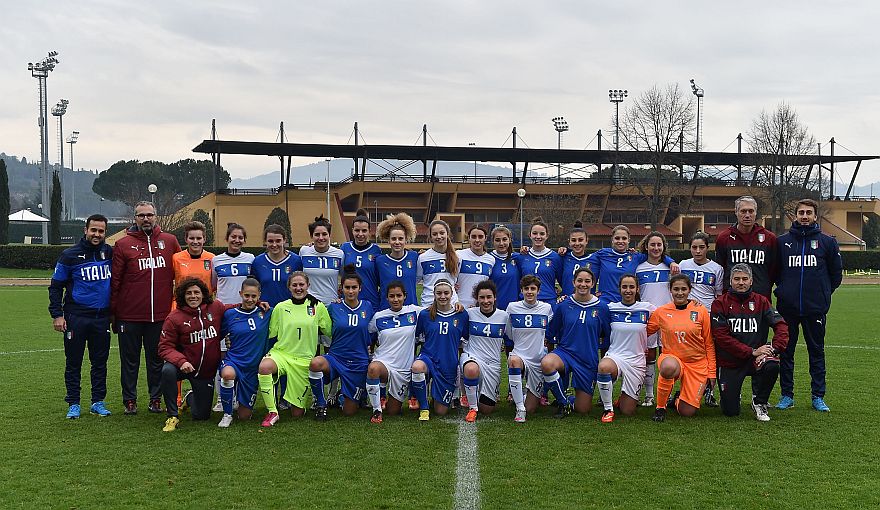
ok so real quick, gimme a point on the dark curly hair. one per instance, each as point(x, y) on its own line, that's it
point(180, 292)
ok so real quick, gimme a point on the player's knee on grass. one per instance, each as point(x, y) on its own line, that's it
point(583, 402)
point(393, 407)
point(244, 413)
point(487, 405)
point(440, 409)
point(297, 412)
point(670, 368)
point(685, 409)
point(627, 404)
point(471, 370)
point(349, 407)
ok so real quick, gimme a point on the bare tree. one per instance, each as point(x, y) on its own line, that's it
point(659, 121)
point(781, 132)
point(559, 212)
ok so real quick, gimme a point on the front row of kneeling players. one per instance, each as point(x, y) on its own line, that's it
point(551, 349)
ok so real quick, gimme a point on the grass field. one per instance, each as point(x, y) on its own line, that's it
point(6, 272)
point(801, 459)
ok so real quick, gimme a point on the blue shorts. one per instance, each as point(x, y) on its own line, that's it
point(582, 377)
point(353, 378)
point(442, 383)
point(246, 383)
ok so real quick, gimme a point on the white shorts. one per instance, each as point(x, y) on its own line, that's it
point(534, 377)
point(490, 375)
point(633, 375)
point(398, 381)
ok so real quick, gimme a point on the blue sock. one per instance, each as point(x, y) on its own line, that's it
point(316, 380)
point(553, 383)
point(420, 390)
point(226, 395)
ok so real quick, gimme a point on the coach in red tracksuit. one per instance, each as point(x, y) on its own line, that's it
point(190, 347)
point(746, 242)
point(741, 320)
point(141, 291)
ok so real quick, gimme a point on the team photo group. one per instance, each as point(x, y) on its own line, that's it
point(348, 327)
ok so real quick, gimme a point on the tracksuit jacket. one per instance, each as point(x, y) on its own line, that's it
point(740, 323)
point(194, 335)
point(81, 282)
point(811, 269)
point(142, 287)
point(756, 248)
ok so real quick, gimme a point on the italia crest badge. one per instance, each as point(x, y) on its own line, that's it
point(209, 316)
point(693, 316)
point(207, 265)
point(262, 314)
point(310, 310)
point(455, 323)
point(547, 263)
point(363, 314)
point(761, 238)
point(595, 313)
point(409, 264)
point(161, 244)
point(410, 319)
point(814, 244)
point(287, 269)
point(752, 306)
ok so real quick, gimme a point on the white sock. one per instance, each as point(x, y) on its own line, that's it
point(374, 394)
point(471, 387)
point(605, 392)
point(217, 382)
point(648, 381)
point(516, 392)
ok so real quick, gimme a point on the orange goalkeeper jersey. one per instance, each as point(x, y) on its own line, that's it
point(686, 334)
point(187, 267)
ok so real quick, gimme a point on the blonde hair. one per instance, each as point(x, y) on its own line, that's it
point(399, 221)
point(451, 256)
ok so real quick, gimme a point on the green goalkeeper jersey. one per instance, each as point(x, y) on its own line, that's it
point(297, 327)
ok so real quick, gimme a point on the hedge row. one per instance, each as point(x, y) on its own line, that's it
point(44, 257)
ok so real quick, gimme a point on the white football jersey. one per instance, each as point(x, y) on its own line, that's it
point(486, 335)
point(432, 267)
point(472, 269)
point(707, 280)
point(629, 331)
point(230, 273)
point(654, 283)
point(527, 327)
point(323, 269)
point(396, 333)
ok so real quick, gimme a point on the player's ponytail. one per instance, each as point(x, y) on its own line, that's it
point(451, 256)
point(320, 221)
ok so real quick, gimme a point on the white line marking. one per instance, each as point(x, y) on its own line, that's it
point(467, 469)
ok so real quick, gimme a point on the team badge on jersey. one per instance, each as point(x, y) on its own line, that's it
point(595, 313)
point(752, 306)
point(693, 316)
point(363, 314)
point(209, 317)
point(410, 319)
point(310, 310)
point(455, 323)
point(262, 314)
point(287, 269)
point(102, 256)
point(814, 244)
point(207, 265)
point(161, 244)
point(547, 263)
point(543, 322)
point(760, 238)
point(643, 316)
point(409, 264)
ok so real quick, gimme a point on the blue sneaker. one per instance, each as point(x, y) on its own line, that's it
point(99, 409)
point(785, 402)
point(820, 405)
point(73, 412)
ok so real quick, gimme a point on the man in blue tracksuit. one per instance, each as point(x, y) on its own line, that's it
point(810, 270)
point(79, 302)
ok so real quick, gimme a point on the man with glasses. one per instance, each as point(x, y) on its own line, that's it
point(141, 289)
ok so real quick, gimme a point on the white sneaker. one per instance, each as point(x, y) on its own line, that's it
point(648, 402)
point(218, 407)
point(226, 421)
point(520, 416)
point(760, 411)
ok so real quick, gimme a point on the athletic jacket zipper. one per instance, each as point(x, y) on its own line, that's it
point(204, 340)
point(152, 273)
point(801, 293)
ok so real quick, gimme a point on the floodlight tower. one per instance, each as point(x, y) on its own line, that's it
point(616, 96)
point(59, 110)
point(561, 126)
point(697, 91)
point(41, 71)
point(72, 139)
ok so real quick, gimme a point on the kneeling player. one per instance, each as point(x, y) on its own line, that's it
point(296, 323)
point(481, 359)
point(247, 328)
point(527, 328)
point(626, 356)
point(688, 351)
point(578, 324)
point(348, 356)
point(395, 328)
point(443, 326)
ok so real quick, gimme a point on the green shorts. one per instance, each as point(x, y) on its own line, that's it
point(297, 372)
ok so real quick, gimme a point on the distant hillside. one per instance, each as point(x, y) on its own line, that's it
point(24, 189)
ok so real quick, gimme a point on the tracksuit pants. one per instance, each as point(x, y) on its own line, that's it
point(199, 400)
point(813, 327)
point(730, 382)
point(92, 331)
point(133, 336)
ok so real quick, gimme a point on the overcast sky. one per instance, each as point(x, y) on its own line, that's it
point(144, 79)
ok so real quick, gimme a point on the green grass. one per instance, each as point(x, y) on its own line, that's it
point(6, 272)
point(801, 459)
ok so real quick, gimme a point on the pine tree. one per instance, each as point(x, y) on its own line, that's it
point(871, 232)
point(279, 216)
point(55, 211)
point(203, 216)
point(4, 203)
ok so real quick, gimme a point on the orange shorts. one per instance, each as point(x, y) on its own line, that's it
point(693, 379)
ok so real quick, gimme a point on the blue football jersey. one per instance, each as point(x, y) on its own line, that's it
point(580, 329)
point(273, 276)
point(547, 267)
point(570, 264)
point(351, 334)
point(404, 270)
point(443, 336)
point(364, 262)
point(248, 336)
point(505, 275)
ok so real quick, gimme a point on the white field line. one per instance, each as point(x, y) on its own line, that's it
point(467, 468)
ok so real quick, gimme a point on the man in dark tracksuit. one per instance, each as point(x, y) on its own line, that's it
point(810, 271)
point(741, 319)
point(79, 302)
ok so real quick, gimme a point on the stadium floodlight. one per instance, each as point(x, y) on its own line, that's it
point(561, 126)
point(40, 71)
point(521, 193)
point(72, 139)
point(152, 189)
point(59, 110)
point(616, 96)
point(698, 92)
